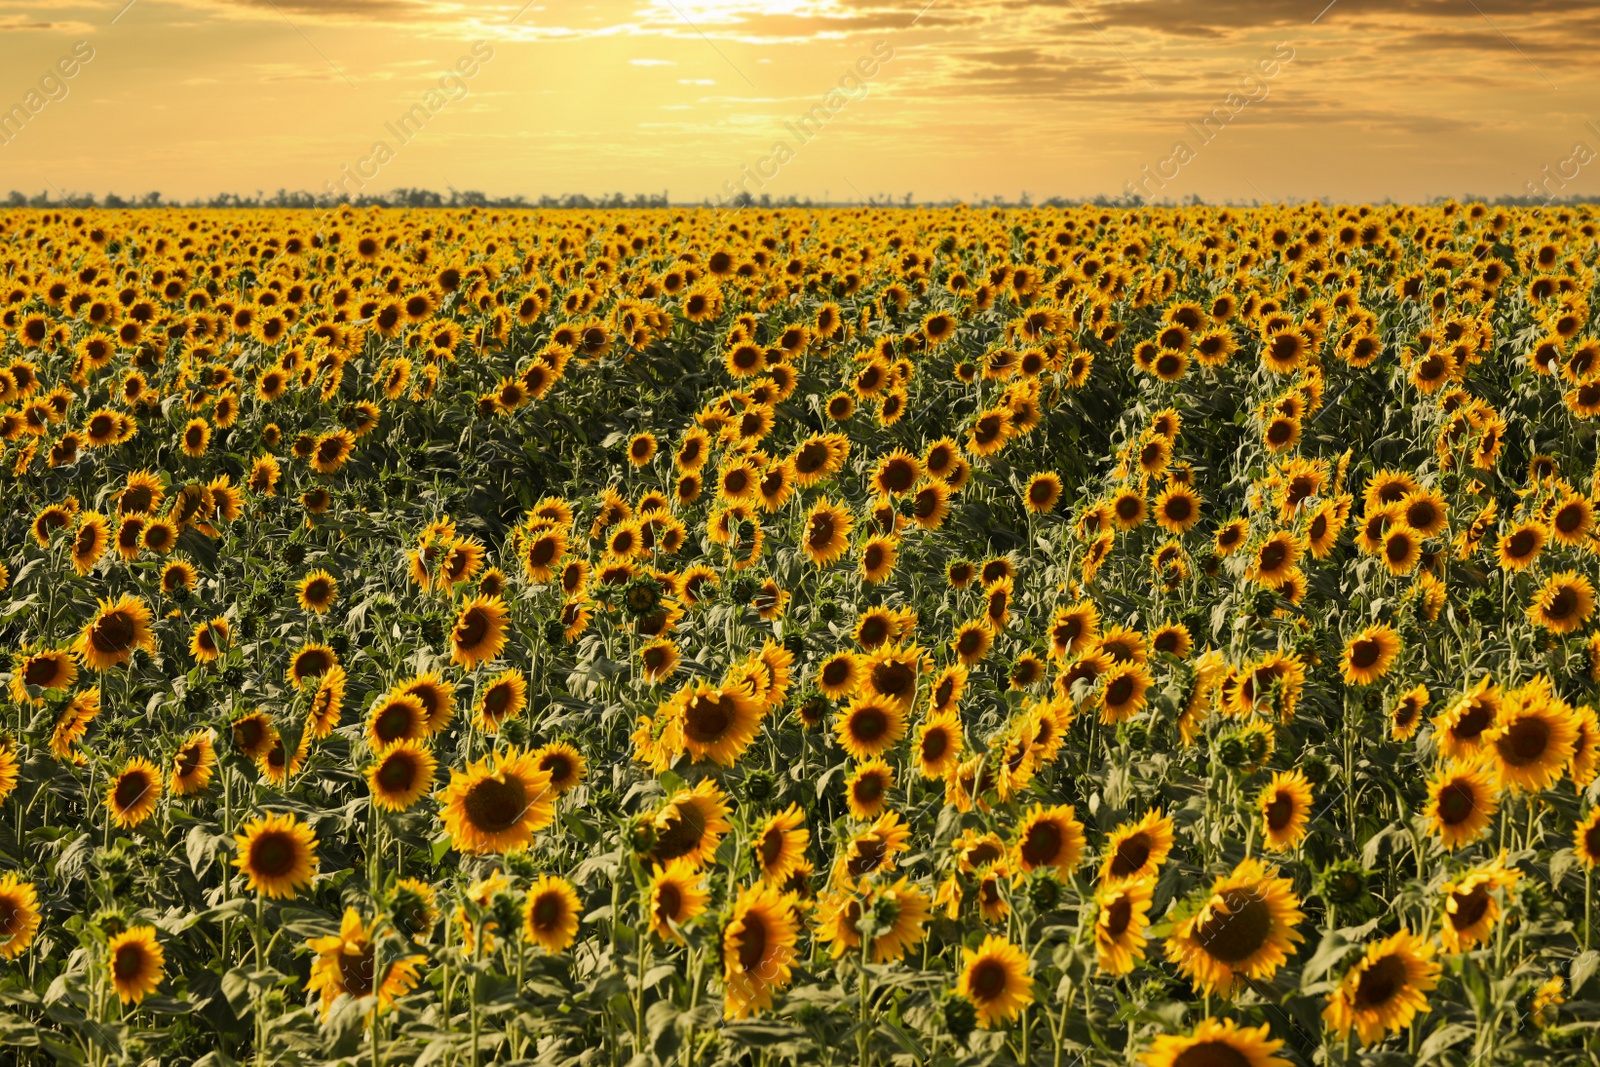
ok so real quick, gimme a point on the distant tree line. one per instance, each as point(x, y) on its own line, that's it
point(405, 197)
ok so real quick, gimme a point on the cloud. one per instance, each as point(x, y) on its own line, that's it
point(23, 24)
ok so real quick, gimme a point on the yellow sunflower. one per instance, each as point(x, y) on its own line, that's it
point(134, 793)
point(677, 895)
point(1244, 930)
point(1385, 990)
point(277, 854)
point(995, 979)
point(136, 962)
point(758, 945)
point(402, 775)
point(1137, 849)
point(1217, 1044)
point(480, 631)
point(1122, 913)
point(1049, 837)
point(550, 914)
point(1285, 809)
point(117, 629)
point(691, 824)
point(1470, 909)
point(19, 916)
point(779, 844)
point(1462, 800)
point(346, 964)
point(1369, 654)
point(498, 803)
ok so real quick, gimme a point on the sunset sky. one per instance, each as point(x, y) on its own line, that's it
point(1357, 100)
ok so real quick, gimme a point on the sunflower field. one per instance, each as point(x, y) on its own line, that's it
point(903, 637)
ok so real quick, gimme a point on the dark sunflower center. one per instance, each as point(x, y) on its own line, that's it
point(1365, 653)
point(129, 962)
point(752, 941)
point(1470, 907)
point(893, 679)
point(496, 804)
point(869, 853)
point(1563, 605)
point(1280, 810)
point(1525, 741)
point(708, 718)
point(683, 832)
point(1380, 982)
point(1272, 556)
point(273, 854)
point(821, 535)
point(1120, 691)
point(1521, 544)
point(669, 900)
point(988, 979)
point(1117, 915)
point(355, 972)
point(546, 912)
point(869, 724)
point(935, 744)
point(397, 773)
point(1473, 722)
point(1131, 855)
point(1042, 844)
point(1238, 934)
point(131, 788)
point(114, 632)
point(393, 723)
point(39, 671)
point(1457, 802)
point(1212, 1054)
point(473, 628)
point(188, 760)
point(869, 789)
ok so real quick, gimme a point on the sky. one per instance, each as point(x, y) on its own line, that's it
point(843, 100)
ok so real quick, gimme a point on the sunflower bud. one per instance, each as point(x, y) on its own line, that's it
point(794, 644)
point(110, 921)
point(828, 611)
point(641, 596)
point(1044, 894)
point(1231, 752)
point(1343, 883)
point(294, 554)
point(642, 835)
point(1134, 735)
point(759, 787)
point(521, 864)
point(1314, 767)
point(554, 632)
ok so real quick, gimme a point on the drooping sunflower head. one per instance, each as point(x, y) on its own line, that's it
point(1384, 991)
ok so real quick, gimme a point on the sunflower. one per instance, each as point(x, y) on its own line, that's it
point(563, 763)
point(677, 895)
point(1533, 738)
point(1470, 909)
point(193, 764)
point(1042, 492)
point(779, 844)
point(1122, 913)
point(437, 697)
point(1369, 654)
point(136, 962)
point(870, 726)
point(1564, 603)
point(841, 674)
point(1463, 727)
point(1177, 509)
point(346, 963)
point(89, 541)
point(317, 591)
point(717, 723)
point(1217, 1044)
point(1519, 546)
point(878, 558)
point(1285, 809)
point(313, 660)
point(47, 669)
point(134, 793)
point(502, 697)
point(550, 914)
point(758, 944)
point(117, 629)
point(972, 641)
point(19, 915)
point(1586, 839)
point(1274, 559)
point(1049, 837)
point(1135, 850)
point(995, 979)
point(873, 850)
point(691, 824)
point(1406, 715)
point(890, 673)
point(209, 640)
point(402, 775)
point(939, 743)
point(394, 718)
point(642, 449)
point(1462, 800)
point(1385, 990)
point(1245, 929)
point(1123, 690)
point(277, 854)
point(900, 909)
point(480, 631)
point(497, 803)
